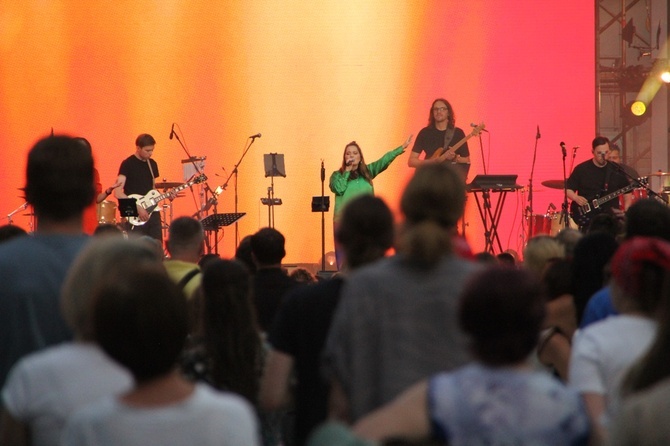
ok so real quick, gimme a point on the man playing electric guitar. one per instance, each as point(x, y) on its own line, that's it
point(595, 178)
point(136, 176)
point(441, 124)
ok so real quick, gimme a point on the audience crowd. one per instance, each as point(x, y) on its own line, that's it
point(111, 340)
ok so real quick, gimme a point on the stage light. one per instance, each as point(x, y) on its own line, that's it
point(329, 261)
point(638, 108)
point(665, 76)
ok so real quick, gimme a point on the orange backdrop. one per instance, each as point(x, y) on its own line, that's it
point(309, 76)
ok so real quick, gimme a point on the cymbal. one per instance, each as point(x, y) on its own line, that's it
point(659, 174)
point(554, 184)
point(167, 185)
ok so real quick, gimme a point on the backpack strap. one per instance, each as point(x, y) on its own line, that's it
point(187, 278)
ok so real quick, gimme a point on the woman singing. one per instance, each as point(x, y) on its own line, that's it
point(355, 177)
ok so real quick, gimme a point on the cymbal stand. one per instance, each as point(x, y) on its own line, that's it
point(529, 208)
point(167, 218)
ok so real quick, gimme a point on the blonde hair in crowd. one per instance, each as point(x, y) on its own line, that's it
point(432, 204)
point(98, 258)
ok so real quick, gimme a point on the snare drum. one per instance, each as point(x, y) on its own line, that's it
point(107, 213)
point(541, 224)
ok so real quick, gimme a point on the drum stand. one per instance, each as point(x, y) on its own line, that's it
point(167, 218)
point(23, 207)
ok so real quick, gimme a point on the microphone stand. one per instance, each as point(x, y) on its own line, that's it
point(225, 185)
point(481, 149)
point(323, 218)
point(206, 186)
point(197, 169)
point(639, 182)
point(563, 221)
point(529, 208)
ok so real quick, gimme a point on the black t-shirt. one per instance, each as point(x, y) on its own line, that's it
point(270, 286)
point(300, 331)
point(430, 139)
point(588, 180)
point(138, 176)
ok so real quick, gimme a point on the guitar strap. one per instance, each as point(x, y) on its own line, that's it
point(448, 135)
point(152, 173)
point(607, 178)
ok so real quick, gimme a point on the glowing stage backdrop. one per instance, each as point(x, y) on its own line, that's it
point(309, 76)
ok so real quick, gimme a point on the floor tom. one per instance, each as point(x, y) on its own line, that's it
point(107, 213)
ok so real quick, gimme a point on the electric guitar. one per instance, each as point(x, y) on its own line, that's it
point(153, 197)
point(582, 215)
point(464, 167)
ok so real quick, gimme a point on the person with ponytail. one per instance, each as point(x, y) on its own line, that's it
point(396, 321)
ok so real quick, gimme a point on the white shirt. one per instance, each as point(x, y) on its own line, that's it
point(603, 352)
point(206, 418)
point(44, 388)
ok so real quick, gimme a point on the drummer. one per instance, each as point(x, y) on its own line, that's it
point(615, 157)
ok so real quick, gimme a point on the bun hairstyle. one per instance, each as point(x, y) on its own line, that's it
point(432, 204)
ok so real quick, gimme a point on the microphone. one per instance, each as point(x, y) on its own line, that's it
point(323, 172)
point(563, 148)
point(472, 124)
point(257, 135)
point(538, 136)
point(350, 162)
point(172, 131)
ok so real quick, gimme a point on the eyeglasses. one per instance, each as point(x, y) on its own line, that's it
point(439, 109)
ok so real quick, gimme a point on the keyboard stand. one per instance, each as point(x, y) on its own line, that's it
point(490, 215)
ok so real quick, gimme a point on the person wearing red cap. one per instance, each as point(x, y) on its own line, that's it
point(603, 351)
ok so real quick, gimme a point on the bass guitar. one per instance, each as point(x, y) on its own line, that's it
point(153, 197)
point(475, 132)
point(582, 215)
point(463, 166)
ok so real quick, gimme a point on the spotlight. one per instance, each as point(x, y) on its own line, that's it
point(665, 76)
point(638, 108)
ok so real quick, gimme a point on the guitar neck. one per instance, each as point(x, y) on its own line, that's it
point(462, 141)
point(177, 189)
point(613, 195)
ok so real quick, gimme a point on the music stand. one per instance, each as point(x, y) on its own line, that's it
point(128, 207)
point(215, 221)
point(485, 184)
point(320, 204)
point(274, 167)
point(212, 223)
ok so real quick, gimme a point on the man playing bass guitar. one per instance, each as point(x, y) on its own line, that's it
point(593, 179)
point(438, 137)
